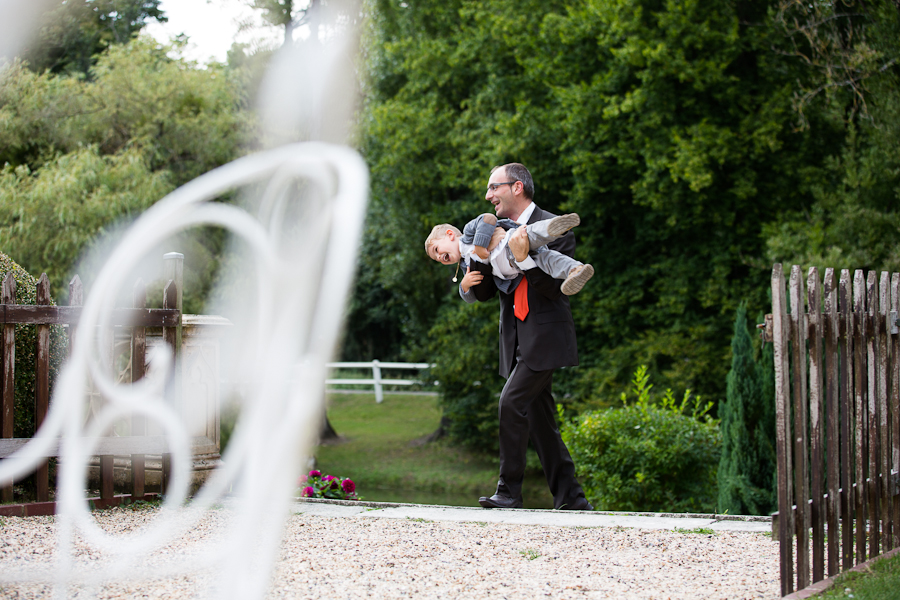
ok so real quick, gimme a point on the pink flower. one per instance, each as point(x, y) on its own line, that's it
point(308, 492)
point(348, 486)
point(315, 473)
point(329, 478)
point(301, 481)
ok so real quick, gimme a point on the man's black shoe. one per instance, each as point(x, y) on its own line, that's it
point(578, 504)
point(498, 501)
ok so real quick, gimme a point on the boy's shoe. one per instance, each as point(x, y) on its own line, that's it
point(561, 224)
point(576, 279)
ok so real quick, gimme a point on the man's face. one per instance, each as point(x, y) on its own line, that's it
point(446, 249)
point(503, 198)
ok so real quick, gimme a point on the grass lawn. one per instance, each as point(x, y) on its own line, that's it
point(378, 454)
point(881, 582)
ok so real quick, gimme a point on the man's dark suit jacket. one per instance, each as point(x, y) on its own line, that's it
point(546, 338)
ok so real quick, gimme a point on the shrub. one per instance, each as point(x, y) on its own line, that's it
point(463, 344)
point(748, 465)
point(26, 336)
point(645, 456)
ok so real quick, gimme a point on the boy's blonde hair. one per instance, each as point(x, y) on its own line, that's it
point(439, 232)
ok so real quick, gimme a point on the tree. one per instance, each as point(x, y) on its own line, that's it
point(286, 14)
point(848, 73)
point(188, 120)
point(845, 46)
point(83, 156)
point(74, 32)
point(667, 126)
point(747, 467)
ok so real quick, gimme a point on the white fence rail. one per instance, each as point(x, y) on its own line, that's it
point(377, 380)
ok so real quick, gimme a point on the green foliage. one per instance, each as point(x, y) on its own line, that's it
point(26, 340)
point(470, 385)
point(698, 530)
point(646, 456)
point(74, 32)
point(667, 126)
point(384, 453)
point(52, 216)
point(880, 580)
point(850, 77)
point(747, 468)
point(186, 120)
point(84, 157)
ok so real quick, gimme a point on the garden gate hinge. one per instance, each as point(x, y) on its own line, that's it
point(766, 330)
point(894, 323)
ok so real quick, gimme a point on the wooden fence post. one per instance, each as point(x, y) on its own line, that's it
point(895, 398)
point(872, 417)
point(780, 336)
point(76, 298)
point(859, 397)
point(42, 385)
point(138, 361)
point(815, 423)
point(832, 334)
point(801, 447)
point(106, 345)
point(8, 413)
point(848, 502)
point(174, 271)
point(170, 337)
point(172, 298)
point(884, 470)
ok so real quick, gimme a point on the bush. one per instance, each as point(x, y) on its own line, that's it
point(646, 456)
point(465, 349)
point(26, 336)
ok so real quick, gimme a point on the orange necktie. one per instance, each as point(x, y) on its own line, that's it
point(520, 300)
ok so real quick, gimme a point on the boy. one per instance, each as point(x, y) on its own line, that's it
point(447, 245)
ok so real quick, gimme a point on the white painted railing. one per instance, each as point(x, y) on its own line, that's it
point(377, 379)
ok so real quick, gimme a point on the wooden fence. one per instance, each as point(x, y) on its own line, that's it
point(837, 384)
point(43, 316)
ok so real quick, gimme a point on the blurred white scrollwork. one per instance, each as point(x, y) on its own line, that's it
point(299, 227)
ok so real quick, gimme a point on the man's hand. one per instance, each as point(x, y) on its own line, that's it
point(499, 234)
point(518, 243)
point(472, 278)
point(482, 252)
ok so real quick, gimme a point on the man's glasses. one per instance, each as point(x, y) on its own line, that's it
point(495, 186)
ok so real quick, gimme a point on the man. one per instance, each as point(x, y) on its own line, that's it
point(537, 335)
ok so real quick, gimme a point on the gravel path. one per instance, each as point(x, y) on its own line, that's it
point(400, 558)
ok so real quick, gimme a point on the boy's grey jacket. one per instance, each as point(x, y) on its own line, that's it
point(546, 338)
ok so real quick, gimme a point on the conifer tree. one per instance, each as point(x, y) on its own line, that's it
point(747, 465)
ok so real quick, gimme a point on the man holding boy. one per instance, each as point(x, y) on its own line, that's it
point(537, 335)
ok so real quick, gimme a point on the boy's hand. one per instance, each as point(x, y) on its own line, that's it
point(499, 234)
point(472, 278)
point(518, 243)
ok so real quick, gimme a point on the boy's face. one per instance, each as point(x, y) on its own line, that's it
point(446, 249)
